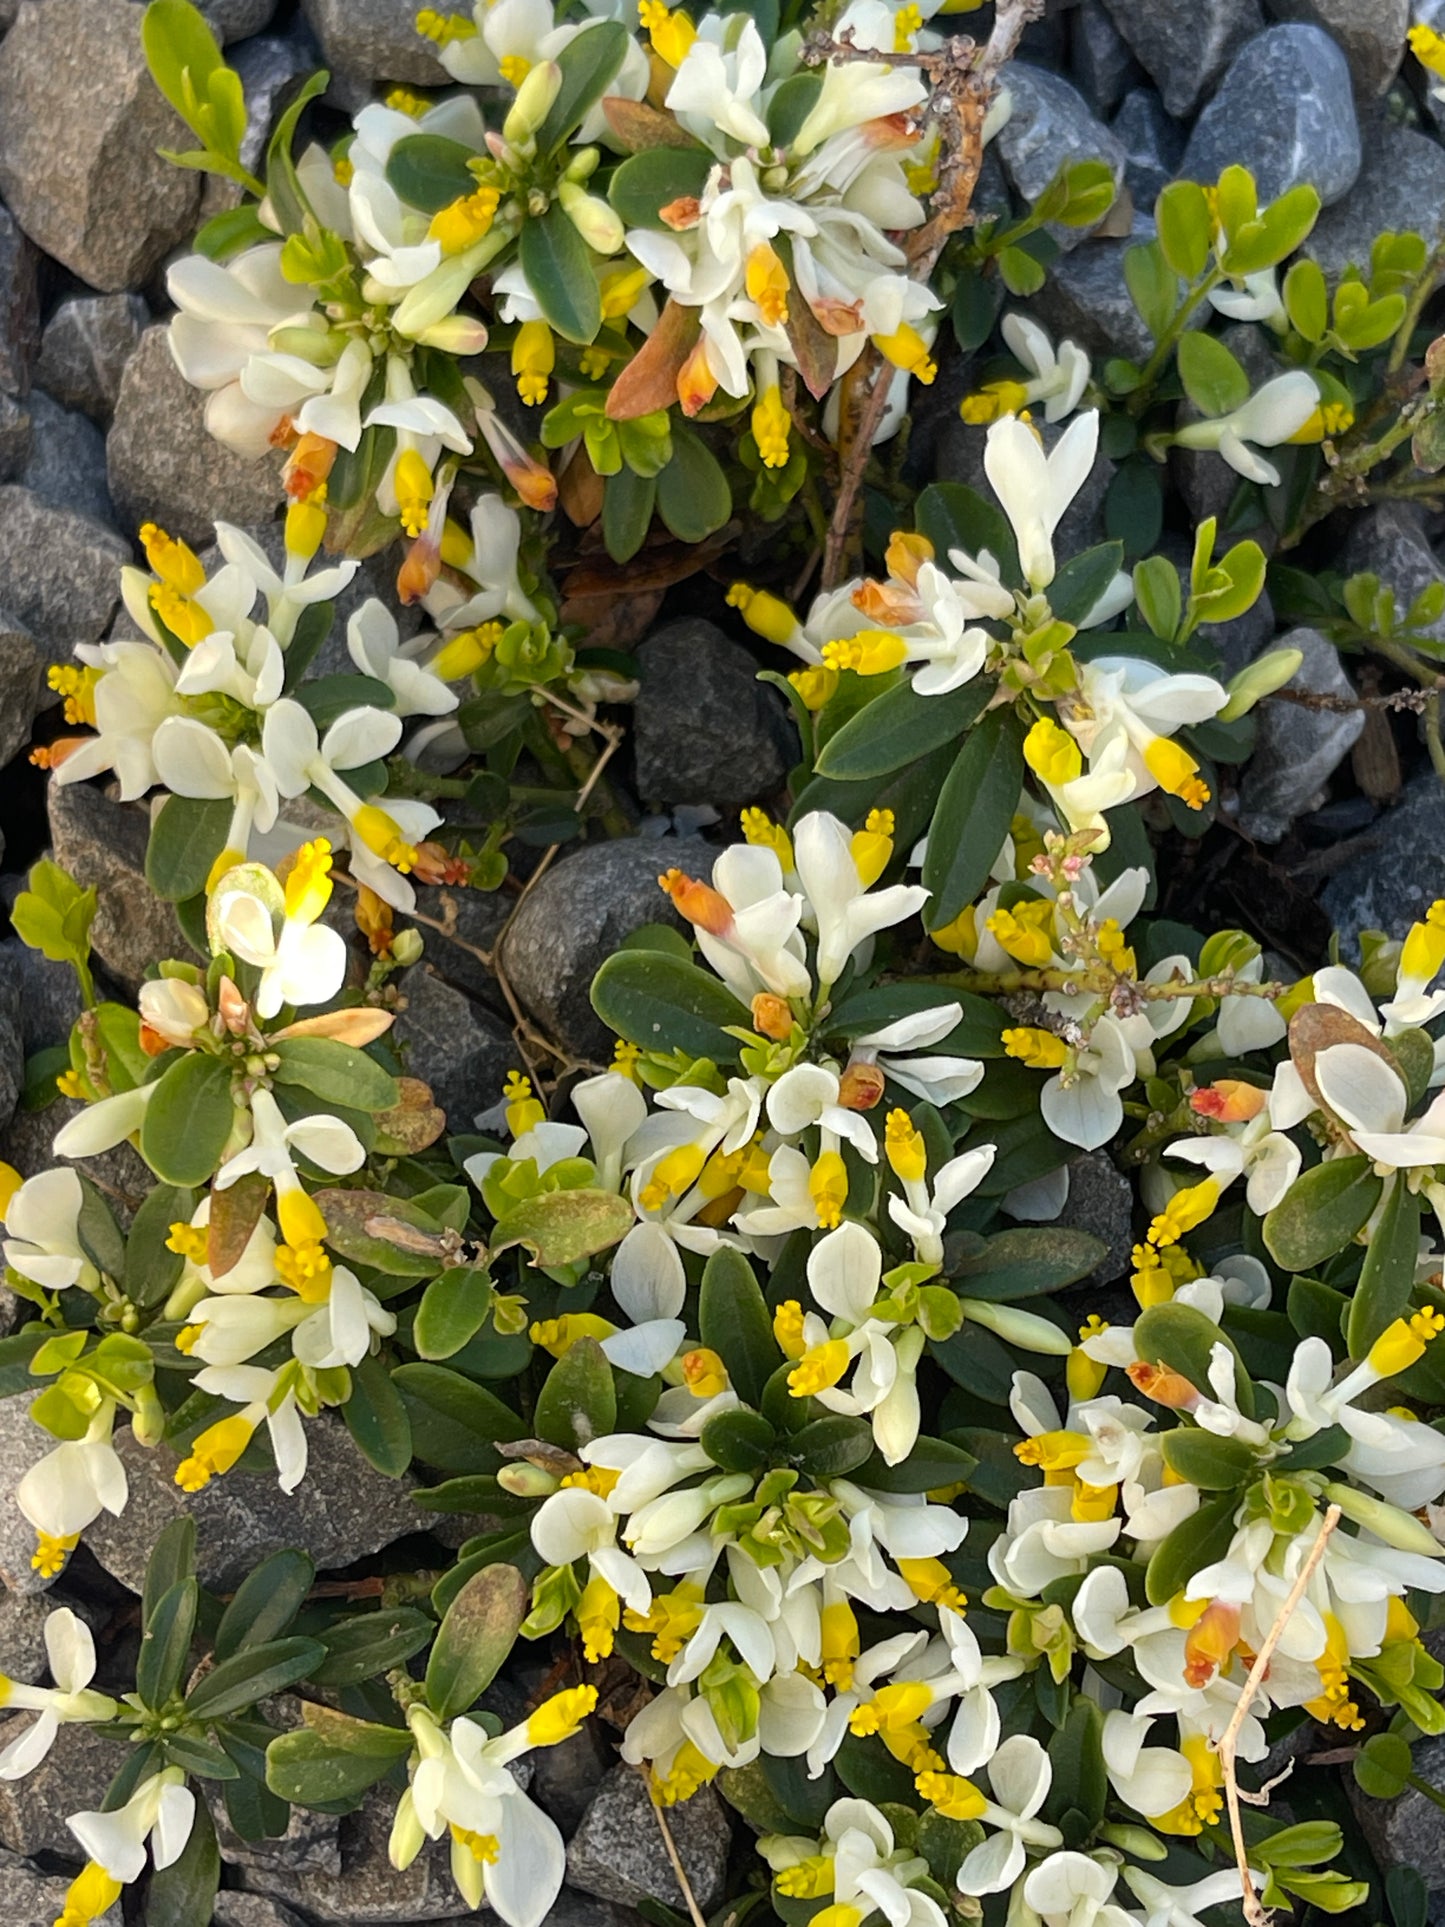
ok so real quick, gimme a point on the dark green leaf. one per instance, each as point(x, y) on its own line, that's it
point(1387, 1276)
point(253, 1674)
point(369, 1644)
point(900, 727)
point(189, 1120)
point(184, 1894)
point(1321, 1212)
point(476, 1635)
point(666, 1004)
point(1194, 1543)
point(589, 63)
point(693, 497)
point(377, 1419)
point(557, 263)
point(733, 1321)
point(265, 1602)
point(187, 835)
point(975, 809)
point(165, 1644)
point(659, 175)
point(429, 172)
point(333, 1758)
point(578, 1399)
point(454, 1423)
point(336, 1073)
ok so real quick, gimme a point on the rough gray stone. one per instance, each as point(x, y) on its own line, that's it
point(99, 197)
point(1371, 33)
point(26, 1143)
point(12, 1049)
point(30, 1898)
point(475, 919)
point(578, 914)
point(19, 304)
point(251, 1910)
point(1101, 1202)
point(237, 19)
point(163, 464)
point(1184, 45)
point(22, 1636)
point(365, 42)
point(49, 995)
point(368, 1890)
point(21, 684)
point(704, 729)
point(1396, 872)
point(104, 843)
point(1391, 542)
point(618, 1854)
point(571, 1909)
point(1100, 58)
point(1085, 299)
point(1401, 185)
point(1153, 145)
point(271, 69)
point(1406, 1832)
point(22, 1444)
point(59, 571)
point(460, 1049)
point(84, 349)
point(309, 1844)
point(72, 1778)
point(1298, 750)
point(960, 459)
point(343, 1510)
point(66, 466)
point(1285, 111)
point(1051, 124)
point(565, 1778)
point(14, 437)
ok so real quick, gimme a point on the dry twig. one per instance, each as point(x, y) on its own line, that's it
point(694, 1911)
point(1255, 1912)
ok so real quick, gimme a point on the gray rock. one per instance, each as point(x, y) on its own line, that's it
point(84, 349)
point(162, 462)
point(1285, 111)
point(1051, 124)
point(1396, 870)
point(1406, 1832)
point(49, 995)
point(1086, 299)
point(704, 729)
point(309, 1844)
point(1153, 145)
point(236, 19)
point(578, 914)
point(251, 1910)
point(960, 459)
point(1298, 750)
point(30, 1898)
point(565, 1778)
point(343, 1510)
point(22, 1636)
point(1390, 542)
point(1401, 185)
point(618, 1854)
point(12, 1049)
point(26, 1143)
point(1371, 32)
point(571, 1909)
point(100, 199)
point(66, 466)
point(72, 1778)
point(474, 919)
point(1184, 45)
point(365, 42)
point(1101, 1202)
point(368, 1890)
point(59, 571)
point(1100, 58)
point(21, 684)
point(19, 303)
point(453, 1044)
point(14, 437)
point(104, 843)
point(271, 69)
point(22, 1444)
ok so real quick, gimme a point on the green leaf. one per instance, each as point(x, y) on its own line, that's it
point(452, 1311)
point(187, 835)
point(1233, 583)
point(739, 1440)
point(1158, 594)
point(173, 1558)
point(283, 184)
point(977, 299)
point(627, 506)
point(184, 1893)
point(693, 497)
point(1183, 1339)
point(932, 1463)
point(1026, 1262)
point(479, 1630)
point(1212, 1463)
point(589, 64)
point(900, 727)
point(1022, 273)
point(578, 1399)
point(1306, 299)
point(1194, 1543)
point(651, 180)
point(733, 1321)
point(254, 1673)
point(376, 1419)
point(1383, 1766)
point(1276, 233)
point(1152, 284)
point(152, 1270)
point(454, 1424)
point(189, 1120)
point(831, 1447)
point(368, 1645)
point(336, 1073)
point(165, 1644)
point(1186, 229)
point(429, 172)
point(954, 516)
point(1321, 1213)
point(1080, 584)
point(97, 1232)
point(975, 809)
point(1213, 378)
point(559, 1227)
point(557, 264)
point(349, 1213)
point(1080, 1784)
point(791, 105)
point(265, 1602)
point(230, 232)
point(1387, 1276)
point(665, 1004)
point(333, 1758)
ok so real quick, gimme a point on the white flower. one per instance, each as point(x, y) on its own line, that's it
point(1059, 379)
point(303, 963)
point(1277, 411)
point(847, 913)
point(1370, 1100)
point(923, 1209)
point(1044, 1541)
point(1150, 1779)
point(1035, 489)
point(72, 1485)
point(1258, 300)
point(1019, 1777)
point(158, 1814)
point(325, 1140)
point(1166, 1906)
point(265, 1397)
point(375, 646)
point(1123, 698)
point(576, 1524)
point(1072, 1890)
point(134, 695)
point(227, 314)
point(938, 1080)
point(808, 1095)
point(70, 1651)
point(42, 1240)
point(1267, 1159)
point(1081, 1102)
point(103, 1125)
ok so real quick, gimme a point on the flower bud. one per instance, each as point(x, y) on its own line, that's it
point(525, 1481)
point(455, 334)
point(599, 225)
point(534, 101)
point(583, 164)
point(406, 947)
point(860, 1087)
point(1257, 680)
point(1016, 1327)
point(1388, 1522)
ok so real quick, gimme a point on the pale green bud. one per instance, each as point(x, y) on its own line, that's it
point(406, 947)
point(455, 334)
point(1259, 679)
point(583, 165)
point(1138, 1842)
point(321, 347)
point(534, 101)
point(1017, 1327)
point(599, 225)
point(1388, 1522)
point(525, 1481)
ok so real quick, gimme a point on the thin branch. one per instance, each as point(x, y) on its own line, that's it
point(1255, 1912)
point(694, 1911)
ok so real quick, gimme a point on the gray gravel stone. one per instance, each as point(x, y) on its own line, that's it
point(19, 304)
point(236, 19)
point(66, 466)
point(343, 1510)
point(21, 686)
point(1085, 299)
point(84, 349)
point(704, 729)
point(12, 1049)
point(30, 1898)
point(104, 843)
point(1184, 45)
point(475, 918)
point(1101, 1202)
point(309, 1844)
point(271, 67)
point(565, 1778)
point(22, 1636)
point(14, 437)
point(1051, 123)
point(1406, 1832)
point(365, 42)
point(1100, 58)
point(49, 996)
point(1397, 869)
point(1285, 111)
point(80, 123)
point(453, 1044)
point(251, 1910)
point(72, 1778)
point(1390, 542)
point(1371, 33)
point(573, 1909)
point(163, 464)
point(1401, 186)
point(578, 914)
point(1153, 145)
point(59, 571)
point(368, 1890)
point(618, 1854)
point(1298, 750)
